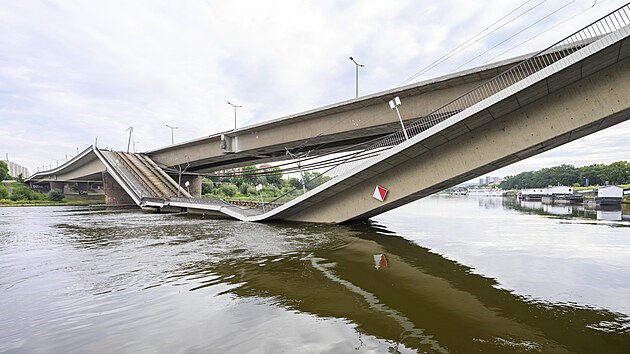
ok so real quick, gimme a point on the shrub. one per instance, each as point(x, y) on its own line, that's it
point(54, 196)
point(244, 188)
point(4, 194)
point(229, 190)
point(207, 187)
point(252, 190)
point(24, 193)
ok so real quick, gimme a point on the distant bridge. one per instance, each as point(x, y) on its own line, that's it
point(460, 127)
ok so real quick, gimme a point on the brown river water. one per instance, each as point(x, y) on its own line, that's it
point(441, 275)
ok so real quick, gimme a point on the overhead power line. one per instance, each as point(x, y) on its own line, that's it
point(470, 41)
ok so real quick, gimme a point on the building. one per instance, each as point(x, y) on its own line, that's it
point(488, 180)
point(609, 195)
point(15, 170)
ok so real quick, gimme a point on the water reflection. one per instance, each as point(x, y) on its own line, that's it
point(585, 211)
point(420, 299)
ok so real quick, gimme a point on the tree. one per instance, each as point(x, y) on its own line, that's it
point(228, 190)
point(615, 173)
point(4, 194)
point(4, 171)
point(275, 177)
point(249, 174)
point(618, 172)
point(207, 186)
point(314, 179)
point(295, 183)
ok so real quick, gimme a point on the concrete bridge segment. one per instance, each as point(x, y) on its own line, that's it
point(577, 97)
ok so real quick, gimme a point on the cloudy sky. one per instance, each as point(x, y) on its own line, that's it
point(74, 71)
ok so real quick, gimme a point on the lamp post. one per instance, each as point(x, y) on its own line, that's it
point(357, 65)
point(259, 188)
point(130, 129)
point(172, 136)
point(235, 107)
point(394, 104)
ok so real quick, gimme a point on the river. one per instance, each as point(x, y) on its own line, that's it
point(440, 275)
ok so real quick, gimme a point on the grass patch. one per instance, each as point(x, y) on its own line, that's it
point(69, 200)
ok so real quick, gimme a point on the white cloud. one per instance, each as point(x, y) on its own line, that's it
point(71, 71)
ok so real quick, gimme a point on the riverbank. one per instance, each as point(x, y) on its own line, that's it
point(68, 200)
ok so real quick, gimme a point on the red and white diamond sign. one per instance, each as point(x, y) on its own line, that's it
point(380, 193)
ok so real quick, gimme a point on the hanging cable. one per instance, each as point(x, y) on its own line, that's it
point(547, 30)
point(457, 49)
point(512, 36)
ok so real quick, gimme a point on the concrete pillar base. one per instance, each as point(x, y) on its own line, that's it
point(194, 188)
point(57, 186)
point(114, 193)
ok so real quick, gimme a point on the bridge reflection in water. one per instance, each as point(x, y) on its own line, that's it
point(588, 211)
point(421, 300)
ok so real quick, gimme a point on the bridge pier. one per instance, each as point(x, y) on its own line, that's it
point(194, 188)
point(114, 193)
point(83, 187)
point(57, 186)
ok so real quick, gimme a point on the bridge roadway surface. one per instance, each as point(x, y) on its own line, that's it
point(571, 97)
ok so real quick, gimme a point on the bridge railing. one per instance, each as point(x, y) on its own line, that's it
point(533, 64)
point(579, 40)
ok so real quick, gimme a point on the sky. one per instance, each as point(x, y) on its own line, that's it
point(73, 72)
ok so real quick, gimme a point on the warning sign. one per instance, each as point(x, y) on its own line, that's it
point(379, 193)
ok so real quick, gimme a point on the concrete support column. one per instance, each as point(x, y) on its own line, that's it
point(195, 185)
point(83, 187)
point(57, 186)
point(114, 193)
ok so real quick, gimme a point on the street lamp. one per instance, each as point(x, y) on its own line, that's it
point(172, 138)
point(394, 104)
point(357, 75)
point(235, 107)
point(130, 129)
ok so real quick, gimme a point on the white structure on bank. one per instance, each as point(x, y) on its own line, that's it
point(485, 192)
point(609, 195)
point(15, 170)
point(488, 180)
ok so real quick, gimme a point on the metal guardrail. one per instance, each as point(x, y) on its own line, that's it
point(579, 40)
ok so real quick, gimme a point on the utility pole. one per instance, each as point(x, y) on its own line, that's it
point(298, 157)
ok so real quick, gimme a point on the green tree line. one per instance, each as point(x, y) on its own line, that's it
point(568, 175)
